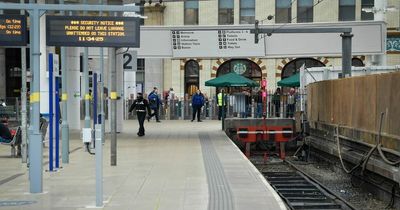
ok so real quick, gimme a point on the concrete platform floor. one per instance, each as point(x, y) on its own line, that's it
point(177, 165)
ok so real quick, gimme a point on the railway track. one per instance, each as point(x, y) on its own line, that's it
point(300, 191)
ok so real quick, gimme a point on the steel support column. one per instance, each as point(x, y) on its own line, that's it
point(35, 137)
point(101, 84)
point(24, 119)
point(86, 80)
point(113, 104)
point(346, 54)
point(64, 99)
point(100, 138)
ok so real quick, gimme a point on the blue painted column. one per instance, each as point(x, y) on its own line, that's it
point(51, 112)
point(57, 123)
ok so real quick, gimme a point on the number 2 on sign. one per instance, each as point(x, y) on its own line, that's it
point(127, 64)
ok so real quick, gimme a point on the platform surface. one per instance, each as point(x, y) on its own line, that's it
point(178, 165)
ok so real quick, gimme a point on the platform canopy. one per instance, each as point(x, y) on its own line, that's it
point(231, 80)
point(292, 81)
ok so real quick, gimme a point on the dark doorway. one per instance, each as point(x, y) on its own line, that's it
point(191, 77)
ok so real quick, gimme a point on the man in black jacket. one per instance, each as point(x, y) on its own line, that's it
point(141, 105)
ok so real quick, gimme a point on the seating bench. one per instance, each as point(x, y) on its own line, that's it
point(8, 111)
point(15, 142)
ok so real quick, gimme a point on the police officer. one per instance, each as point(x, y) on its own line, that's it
point(141, 105)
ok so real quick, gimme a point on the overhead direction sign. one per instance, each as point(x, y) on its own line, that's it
point(90, 31)
point(214, 43)
point(13, 30)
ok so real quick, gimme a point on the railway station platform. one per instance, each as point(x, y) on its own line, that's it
point(178, 165)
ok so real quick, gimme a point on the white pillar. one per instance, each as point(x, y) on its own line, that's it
point(154, 74)
point(380, 10)
point(44, 79)
point(2, 73)
point(120, 90)
point(74, 94)
point(380, 15)
point(129, 85)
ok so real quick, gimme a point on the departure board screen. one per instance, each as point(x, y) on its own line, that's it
point(91, 31)
point(13, 30)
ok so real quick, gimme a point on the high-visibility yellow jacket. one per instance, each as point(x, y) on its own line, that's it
point(220, 99)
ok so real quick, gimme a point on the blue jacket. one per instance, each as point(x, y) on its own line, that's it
point(197, 100)
point(154, 100)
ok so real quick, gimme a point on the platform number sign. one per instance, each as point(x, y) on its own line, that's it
point(129, 61)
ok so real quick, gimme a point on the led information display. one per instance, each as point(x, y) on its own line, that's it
point(88, 31)
point(13, 30)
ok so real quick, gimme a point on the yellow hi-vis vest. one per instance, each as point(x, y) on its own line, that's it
point(219, 99)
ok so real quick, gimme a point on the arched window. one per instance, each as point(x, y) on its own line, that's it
point(357, 62)
point(293, 66)
point(242, 67)
point(191, 77)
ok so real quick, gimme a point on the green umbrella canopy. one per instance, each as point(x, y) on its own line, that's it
point(231, 80)
point(292, 81)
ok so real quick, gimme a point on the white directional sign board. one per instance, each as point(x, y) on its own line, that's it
point(204, 41)
point(215, 43)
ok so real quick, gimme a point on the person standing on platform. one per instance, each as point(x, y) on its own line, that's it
point(171, 94)
point(197, 103)
point(291, 103)
point(219, 103)
point(155, 103)
point(259, 101)
point(142, 106)
point(276, 100)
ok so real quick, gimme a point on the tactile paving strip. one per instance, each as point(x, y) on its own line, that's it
point(15, 203)
point(220, 195)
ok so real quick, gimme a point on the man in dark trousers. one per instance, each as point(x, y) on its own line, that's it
point(197, 103)
point(155, 103)
point(221, 101)
point(141, 105)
